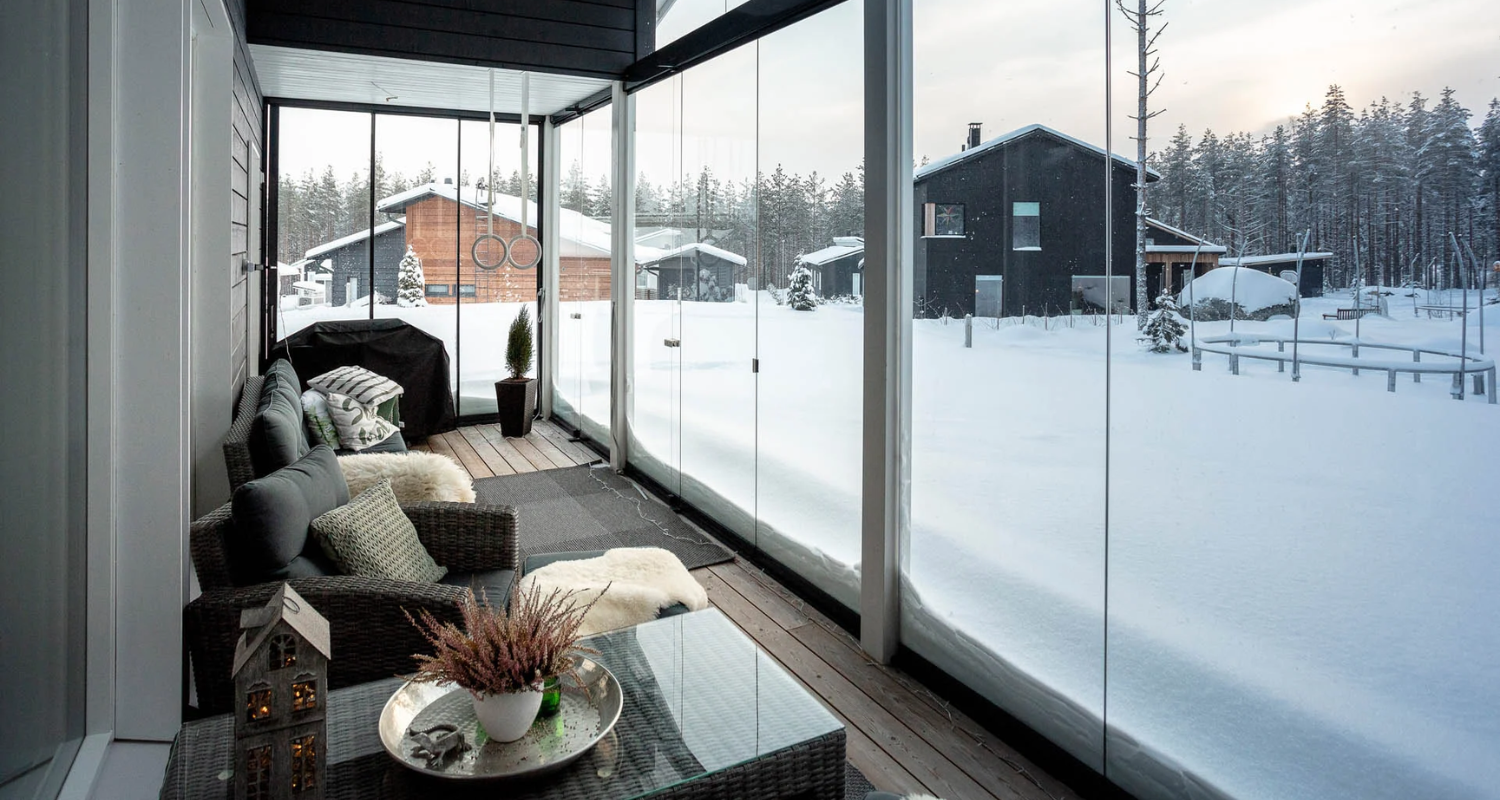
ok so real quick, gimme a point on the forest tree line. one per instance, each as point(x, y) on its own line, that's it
point(1381, 189)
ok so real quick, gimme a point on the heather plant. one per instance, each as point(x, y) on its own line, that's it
point(501, 653)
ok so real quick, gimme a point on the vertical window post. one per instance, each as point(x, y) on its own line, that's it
point(551, 261)
point(622, 269)
point(889, 227)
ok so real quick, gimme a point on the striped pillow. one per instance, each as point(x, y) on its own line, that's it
point(358, 425)
point(364, 386)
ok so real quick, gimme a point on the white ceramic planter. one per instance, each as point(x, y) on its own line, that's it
point(507, 717)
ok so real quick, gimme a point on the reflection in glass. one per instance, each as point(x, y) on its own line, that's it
point(584, 330)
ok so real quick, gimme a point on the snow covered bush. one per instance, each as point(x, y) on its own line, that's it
point(799, 293)
point(411, 285)
point(1163, 330)
point(1243, 292)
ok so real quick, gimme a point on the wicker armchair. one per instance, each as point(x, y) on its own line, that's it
point(371, 636)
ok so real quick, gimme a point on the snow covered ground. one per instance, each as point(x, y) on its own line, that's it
point(1302, 569)
point(1298, 573)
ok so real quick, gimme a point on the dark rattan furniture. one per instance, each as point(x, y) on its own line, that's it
point(707, 715)
point(371, 637)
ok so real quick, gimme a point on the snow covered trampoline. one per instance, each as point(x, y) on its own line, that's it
point(1249, 345)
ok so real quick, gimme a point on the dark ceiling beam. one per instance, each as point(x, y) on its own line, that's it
point(744, 23)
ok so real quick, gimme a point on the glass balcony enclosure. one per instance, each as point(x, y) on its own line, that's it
point(1194, 492)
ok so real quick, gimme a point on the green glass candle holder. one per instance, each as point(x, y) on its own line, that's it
point(551, 697)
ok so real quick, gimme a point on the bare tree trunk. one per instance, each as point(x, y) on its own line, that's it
point(1140, 19)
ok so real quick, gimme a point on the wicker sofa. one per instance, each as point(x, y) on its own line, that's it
point(371, 638)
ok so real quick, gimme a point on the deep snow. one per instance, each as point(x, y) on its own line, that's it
point(1298, 574)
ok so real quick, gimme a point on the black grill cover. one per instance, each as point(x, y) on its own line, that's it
point(402, 352)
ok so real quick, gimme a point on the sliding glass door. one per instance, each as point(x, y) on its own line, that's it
point(403, 216)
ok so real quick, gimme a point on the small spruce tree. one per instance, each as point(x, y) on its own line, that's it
point(799, 292)
point(1164, 329)
point(518, 345)
point(410, 283)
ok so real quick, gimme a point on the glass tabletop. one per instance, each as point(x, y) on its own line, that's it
point(699, 697)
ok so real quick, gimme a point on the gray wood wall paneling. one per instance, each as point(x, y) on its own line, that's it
point(245, 201)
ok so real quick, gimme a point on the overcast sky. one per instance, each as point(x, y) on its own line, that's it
point(795, 97)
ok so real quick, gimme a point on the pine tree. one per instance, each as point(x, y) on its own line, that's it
point(1177, 179)
point(1164, 330)
point(1489, 163)
point(410, 283)
point(799, 293)
point(1448, 163)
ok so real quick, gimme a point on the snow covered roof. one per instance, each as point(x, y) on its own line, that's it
point(692, 247)
point(329, 247)
point(829, 254)
point(1276, 258)
point(1208, 247)
point(1001, 141)
point(580, 235)
point(312, 286)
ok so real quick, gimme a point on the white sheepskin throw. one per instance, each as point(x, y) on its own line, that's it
point(415, 477)
point(641, 581)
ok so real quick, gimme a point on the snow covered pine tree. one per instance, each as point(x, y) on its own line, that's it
point(1164, 329)
point(411, 286)
point(799, 292)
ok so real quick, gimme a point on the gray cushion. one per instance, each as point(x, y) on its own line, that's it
point(393, 444)
point(278, 437)
point(495, 583)
point(271, 517)
point(372, 536)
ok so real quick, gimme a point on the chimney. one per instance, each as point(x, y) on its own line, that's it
point(974, 135)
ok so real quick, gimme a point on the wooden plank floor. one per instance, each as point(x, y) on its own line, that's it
point(900, 735)
point(485, 453)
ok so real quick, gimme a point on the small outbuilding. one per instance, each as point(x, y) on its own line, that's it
point(838, 269)
point(1309, 281)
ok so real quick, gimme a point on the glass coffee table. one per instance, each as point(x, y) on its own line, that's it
point(706, 714)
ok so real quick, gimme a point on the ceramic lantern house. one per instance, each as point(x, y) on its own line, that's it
point(280, 682)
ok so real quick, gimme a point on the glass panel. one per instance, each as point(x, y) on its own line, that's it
point(44, 324)
point(656, 397)
point(676, 18)
point(488, 240)
point(1005, 571)
point(414, 263)
point(1302, 597)
point(584, 286)
point(323, 218)
point(718, 333)
point(811, 216)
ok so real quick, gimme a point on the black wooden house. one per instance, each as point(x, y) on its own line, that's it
point(1016, 225)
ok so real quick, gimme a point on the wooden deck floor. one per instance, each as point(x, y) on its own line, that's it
point(900, 735)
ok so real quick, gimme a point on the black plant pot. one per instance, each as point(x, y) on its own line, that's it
point(516, 398)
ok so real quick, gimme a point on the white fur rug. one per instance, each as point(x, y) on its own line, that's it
point(415, 476)
point(641, 580)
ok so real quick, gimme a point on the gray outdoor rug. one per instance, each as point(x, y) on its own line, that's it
point(583, 508)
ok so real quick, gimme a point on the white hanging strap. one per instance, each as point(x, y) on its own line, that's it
point(525, 149)
point(489, 181)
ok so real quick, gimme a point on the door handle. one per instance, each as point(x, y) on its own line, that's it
point(576, 315)
point(672, 342)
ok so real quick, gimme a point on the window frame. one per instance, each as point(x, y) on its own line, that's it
point(1015, 230)
point(930, 217)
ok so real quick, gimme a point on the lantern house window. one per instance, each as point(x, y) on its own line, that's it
point(283, 651)
point(258, 773)
point(258, 703)
point(1026, 226)
point(304, 694)
point(304, 763)
point(943, 219)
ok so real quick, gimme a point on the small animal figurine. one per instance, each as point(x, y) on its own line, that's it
point(437, 744)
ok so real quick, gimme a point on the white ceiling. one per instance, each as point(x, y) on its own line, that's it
point(293, 73)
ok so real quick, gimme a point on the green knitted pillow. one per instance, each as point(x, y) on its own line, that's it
point(370, 536)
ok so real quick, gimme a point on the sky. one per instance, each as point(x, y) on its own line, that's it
point(796, 97)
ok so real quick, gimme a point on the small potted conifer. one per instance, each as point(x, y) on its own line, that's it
point(516, 395)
